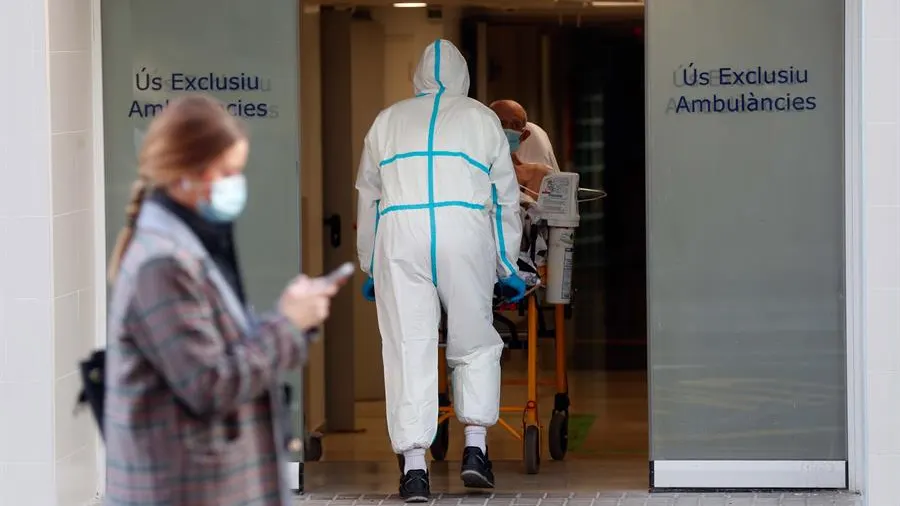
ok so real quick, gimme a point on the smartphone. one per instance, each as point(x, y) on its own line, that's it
point(340, 275)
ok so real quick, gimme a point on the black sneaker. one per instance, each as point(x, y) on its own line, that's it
point(476, 469)
point(414, 486)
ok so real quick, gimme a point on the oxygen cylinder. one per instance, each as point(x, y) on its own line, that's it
point(558, 204)
point(559, 265)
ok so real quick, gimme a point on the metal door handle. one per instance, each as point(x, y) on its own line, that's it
point(333, 223)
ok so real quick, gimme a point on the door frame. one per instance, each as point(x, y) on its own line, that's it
point(854, 261)
point(99, 208)
point(852, 474)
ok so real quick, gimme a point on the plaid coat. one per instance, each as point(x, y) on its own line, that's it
point(192, 412)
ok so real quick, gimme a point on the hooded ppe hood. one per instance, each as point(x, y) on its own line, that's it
point(442, 68)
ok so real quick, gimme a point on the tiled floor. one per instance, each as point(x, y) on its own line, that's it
point(571, 483)
point(608, 469)
point(606, 498)
point(619, 432)
point(557, 477)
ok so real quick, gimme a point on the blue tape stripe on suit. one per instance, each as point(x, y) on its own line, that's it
point(457, 154)
point(375, 238)
point(436, 205)
point(499, 217)
point(431, 154)
point(431, 128)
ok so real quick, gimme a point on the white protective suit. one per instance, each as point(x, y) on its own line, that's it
point(438, 223)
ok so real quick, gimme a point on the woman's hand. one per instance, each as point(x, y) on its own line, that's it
point(307, 301)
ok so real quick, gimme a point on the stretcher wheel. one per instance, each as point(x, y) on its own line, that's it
point(532, 449)
point(313, 450)
point(559, 435)
point(441, 441)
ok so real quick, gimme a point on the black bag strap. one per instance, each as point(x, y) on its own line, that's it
point(93, 386)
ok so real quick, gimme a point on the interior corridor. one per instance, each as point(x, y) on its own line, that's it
point(606, 464)
point(607, 442)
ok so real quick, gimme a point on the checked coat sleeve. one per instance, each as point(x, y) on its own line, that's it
point(208, 365)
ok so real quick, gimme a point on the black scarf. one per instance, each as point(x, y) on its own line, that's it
point(216, 238)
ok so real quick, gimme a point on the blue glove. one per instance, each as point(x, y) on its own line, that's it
point(368, 289)
point(513, 288)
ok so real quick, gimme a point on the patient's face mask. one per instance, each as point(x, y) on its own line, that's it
point(514, 137)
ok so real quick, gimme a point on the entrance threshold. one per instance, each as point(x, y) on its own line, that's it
point(748, 474)
point(606, 498)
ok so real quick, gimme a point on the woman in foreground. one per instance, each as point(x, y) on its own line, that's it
point(192, 410)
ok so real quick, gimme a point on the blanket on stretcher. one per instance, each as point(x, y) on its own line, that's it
point(535, 236)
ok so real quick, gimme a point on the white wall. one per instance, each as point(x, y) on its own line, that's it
point(881, 246)
point(47, 456)
point(407, 32)
point(367, 84)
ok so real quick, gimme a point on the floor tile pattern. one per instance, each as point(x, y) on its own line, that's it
point(605, 498)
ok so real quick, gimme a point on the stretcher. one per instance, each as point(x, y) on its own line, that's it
point(555, 209)
point(548, 242)
point(531, 430)
point(530, 433)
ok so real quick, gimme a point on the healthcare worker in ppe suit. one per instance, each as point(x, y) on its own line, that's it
point(438, 225)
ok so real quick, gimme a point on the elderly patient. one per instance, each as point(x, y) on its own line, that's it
point(532, 153)
point(533, 159)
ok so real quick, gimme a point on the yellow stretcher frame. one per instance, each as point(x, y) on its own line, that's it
point(530, 435)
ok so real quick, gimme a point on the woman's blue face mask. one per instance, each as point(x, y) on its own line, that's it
point(514, 137)
point(227, 199)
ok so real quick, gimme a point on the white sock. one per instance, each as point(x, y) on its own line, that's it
point(476, 436)
point(414, 459)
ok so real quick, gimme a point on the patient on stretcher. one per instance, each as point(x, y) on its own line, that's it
point(535, 236)
point(533, 251)
point(533, 159)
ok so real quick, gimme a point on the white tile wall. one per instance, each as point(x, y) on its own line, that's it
point(28, 332)
point(47, 456)
point(881, 144)
point(26, 439)
point(69, 25)
point(30, 477)
point(881, 247)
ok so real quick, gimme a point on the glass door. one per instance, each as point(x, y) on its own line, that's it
point(745, 244)
point(245, 53)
